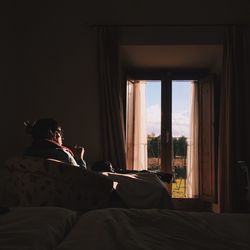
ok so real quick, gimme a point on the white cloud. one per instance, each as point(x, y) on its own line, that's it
point(154, 119)
point(180, 121)
point(180, 124)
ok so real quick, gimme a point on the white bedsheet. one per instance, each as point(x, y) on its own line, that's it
point(28, 228)
point(134, 229)
point(141, 190)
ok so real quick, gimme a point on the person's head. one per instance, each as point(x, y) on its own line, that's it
point(45, 128)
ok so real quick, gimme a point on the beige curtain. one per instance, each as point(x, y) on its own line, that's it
point(192, 154)
point(136, 126)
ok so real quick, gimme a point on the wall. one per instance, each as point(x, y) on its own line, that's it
point(182, 47)
point(48, 70)
point(49, 60)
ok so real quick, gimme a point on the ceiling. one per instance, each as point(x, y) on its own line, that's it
point(173, 56)
point(163, 12)
point(131, 12)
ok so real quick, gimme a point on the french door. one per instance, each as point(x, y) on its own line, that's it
point(198, 177)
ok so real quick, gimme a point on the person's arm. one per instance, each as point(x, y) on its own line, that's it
point(79, 153)
point(68, 158)
point(82, 163)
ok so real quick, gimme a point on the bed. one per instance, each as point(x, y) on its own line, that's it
point(54, 206)
point(44, 228)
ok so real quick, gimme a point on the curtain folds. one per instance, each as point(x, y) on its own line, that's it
point(111, 106)
point(193, 152)
point(136, 126)
point(234, 124)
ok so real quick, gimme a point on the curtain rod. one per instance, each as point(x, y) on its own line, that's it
point(165, 25)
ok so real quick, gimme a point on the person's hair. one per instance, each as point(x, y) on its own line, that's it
point(42, 128)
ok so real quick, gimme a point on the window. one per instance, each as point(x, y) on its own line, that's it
point(166, 132)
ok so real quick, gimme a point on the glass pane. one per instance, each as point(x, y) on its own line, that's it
point(153, 102)
point(181, 107)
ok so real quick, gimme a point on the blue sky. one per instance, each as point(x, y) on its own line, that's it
point(181, 102)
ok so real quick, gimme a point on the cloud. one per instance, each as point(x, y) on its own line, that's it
point(180, 121)
point(180, 124)
point(154, 119)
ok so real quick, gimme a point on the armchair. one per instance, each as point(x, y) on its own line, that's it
point(30, 181)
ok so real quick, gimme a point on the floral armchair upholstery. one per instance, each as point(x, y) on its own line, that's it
point(30, 181)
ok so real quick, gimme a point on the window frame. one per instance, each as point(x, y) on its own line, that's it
point(166, 76)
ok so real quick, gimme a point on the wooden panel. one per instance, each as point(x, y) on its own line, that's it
point(166, 126)
point(206, 140)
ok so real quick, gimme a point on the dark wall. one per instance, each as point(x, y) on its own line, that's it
point(49, 70)
point(49, 60)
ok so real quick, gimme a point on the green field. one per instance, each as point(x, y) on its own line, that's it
point(178, 188)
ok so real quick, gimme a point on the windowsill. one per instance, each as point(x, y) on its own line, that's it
point(191, 204)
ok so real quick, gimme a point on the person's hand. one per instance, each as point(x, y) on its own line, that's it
point(78, 152)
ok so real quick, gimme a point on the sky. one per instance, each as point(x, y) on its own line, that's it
point(181, 103)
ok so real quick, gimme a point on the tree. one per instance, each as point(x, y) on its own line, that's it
point(154, 146)
point(180, 147)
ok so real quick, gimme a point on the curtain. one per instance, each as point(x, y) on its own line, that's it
point(136, 126)
point(192, 182)
point(234, 124)
point(111, 107)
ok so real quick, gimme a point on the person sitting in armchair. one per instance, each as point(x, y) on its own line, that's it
point(47, 142)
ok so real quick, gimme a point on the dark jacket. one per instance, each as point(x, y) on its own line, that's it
point(51, 150)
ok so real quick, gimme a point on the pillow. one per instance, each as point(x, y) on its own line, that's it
point(35, 227)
